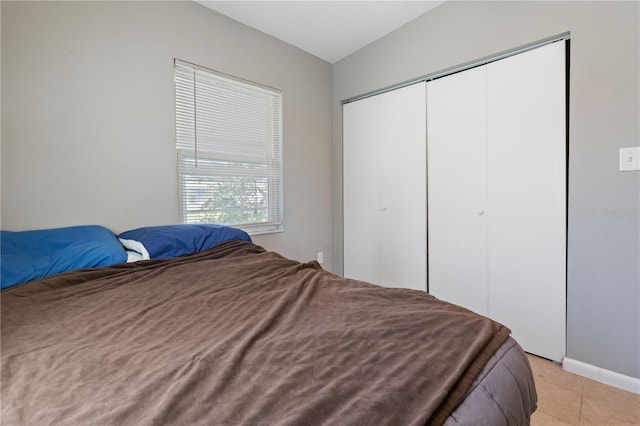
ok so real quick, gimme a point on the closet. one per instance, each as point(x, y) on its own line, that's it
point(495, 137)
point(384, 187)
point(496, 145)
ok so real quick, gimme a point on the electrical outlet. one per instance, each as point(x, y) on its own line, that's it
point(320, 257)
point(630, 158)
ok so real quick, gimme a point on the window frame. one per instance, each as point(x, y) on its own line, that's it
point(189, 153)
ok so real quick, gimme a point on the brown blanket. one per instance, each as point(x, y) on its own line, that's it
point(233, 336)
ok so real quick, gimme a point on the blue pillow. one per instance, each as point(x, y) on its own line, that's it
point(167, 241)
point(29, 255)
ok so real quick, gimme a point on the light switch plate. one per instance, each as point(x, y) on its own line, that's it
point(630, 158)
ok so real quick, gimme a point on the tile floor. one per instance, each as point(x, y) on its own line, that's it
point(569, 399)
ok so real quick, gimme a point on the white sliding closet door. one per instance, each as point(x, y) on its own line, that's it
point(527, 197)
point(457, 158)
point(361, 176)
point(497, 194)
point(384, 178)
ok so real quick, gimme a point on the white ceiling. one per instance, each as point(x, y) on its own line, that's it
point(330, 30)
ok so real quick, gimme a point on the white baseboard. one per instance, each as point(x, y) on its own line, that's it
point(601, 375)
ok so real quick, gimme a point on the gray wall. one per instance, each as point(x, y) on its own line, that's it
point(604, 232)
point(88, 122)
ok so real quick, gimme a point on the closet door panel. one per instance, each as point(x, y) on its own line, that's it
point(527, 199)
point(384, 178)
point(403, 189)
point(457, 188)
point(360, 188)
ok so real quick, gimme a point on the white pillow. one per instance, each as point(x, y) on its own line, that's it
point(135, 250)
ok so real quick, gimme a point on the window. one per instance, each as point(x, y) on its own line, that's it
point(229, 150)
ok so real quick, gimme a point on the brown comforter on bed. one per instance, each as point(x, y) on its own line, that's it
point(233, 336)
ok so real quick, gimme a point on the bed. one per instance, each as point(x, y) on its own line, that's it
point(229, 333)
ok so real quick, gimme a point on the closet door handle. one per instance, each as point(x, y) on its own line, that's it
point(480, 212)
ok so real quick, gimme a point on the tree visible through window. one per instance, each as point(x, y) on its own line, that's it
point(228, 145)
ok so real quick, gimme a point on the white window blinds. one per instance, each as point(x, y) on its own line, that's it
point(229, 150)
